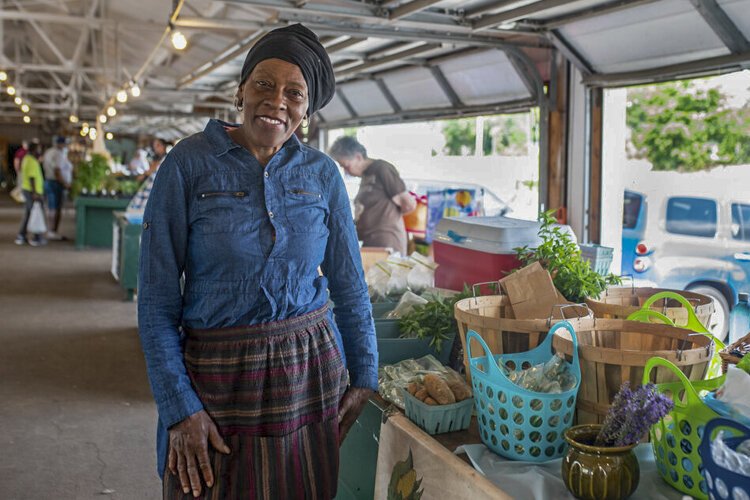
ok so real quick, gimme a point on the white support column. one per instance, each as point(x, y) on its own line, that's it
point(578, 156)
point(613, 171)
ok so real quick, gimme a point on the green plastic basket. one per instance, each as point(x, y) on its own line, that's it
point(675, 438)
point(439, 419)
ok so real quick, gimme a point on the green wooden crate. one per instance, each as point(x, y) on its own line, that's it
point(94, 218)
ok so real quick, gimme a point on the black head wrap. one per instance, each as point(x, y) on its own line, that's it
point(297, 45)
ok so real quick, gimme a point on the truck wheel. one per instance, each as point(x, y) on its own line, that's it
point(720, 320)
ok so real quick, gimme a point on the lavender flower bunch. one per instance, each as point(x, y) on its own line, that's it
point(631, 415)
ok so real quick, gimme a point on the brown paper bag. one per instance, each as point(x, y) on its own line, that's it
point(533, 295)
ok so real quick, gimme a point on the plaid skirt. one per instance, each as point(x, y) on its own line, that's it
point(273, 390)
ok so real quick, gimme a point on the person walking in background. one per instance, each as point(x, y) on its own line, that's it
point(382, 200)
point(140, 198)
point(58, 175)
point(32, 183)
point(18, 157)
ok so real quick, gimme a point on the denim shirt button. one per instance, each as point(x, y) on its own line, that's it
point(270, 214)
point(265, 174)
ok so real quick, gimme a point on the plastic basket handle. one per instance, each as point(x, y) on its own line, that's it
point(693, 322)
point(704, 448)
point(548, 341)
point(690, 392)
point(492, 368)
point(644, 315)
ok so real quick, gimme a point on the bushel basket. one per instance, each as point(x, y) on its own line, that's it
point(621, 302)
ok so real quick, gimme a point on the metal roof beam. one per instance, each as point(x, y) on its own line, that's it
point(389, 32)
point(345, 44)
point(345, 101)
point(712, 66)
point(388, 59)
point(228, 54)
point(387, 94)
point(722, 25)
point(435, 113)
point(595, 11)
point(445, 86)
point(43, 35)
point(410, 8)
point(570, 52)
point(516, 14)
point(96, 22)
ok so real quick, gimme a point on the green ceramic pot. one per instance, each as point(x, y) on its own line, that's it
point(598, 472)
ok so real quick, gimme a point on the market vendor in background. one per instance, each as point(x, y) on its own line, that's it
point(382, 200)
point(138, 202)
point(247, 365)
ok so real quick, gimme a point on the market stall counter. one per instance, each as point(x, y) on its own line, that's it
point(94, 217)
point(126, 244)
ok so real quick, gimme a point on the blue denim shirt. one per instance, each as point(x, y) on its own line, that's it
point(249, 241)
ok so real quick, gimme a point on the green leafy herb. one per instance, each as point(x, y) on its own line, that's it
point(560, 255)
point(434, 320)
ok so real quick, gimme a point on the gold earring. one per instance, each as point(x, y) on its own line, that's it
point(305, 122)
point(238, 103)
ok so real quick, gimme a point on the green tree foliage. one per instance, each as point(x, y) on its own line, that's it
point(503, 134)
point(677, 126)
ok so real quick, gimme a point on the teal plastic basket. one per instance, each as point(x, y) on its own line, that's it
point(514, 422)
point(438, 419)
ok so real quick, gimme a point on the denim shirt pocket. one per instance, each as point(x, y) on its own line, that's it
point(227, 211)
point(305, 206)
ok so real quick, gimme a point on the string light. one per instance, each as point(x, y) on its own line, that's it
point(102, 118)
point(179, 41)
point(18, 101)
point(25, 108)
point(11, 90)
point(110, 136)
point(3, 76)
point(84, 132)
point(135, 90)
point(92, 134)
point(111, 111)
point(122, 96)
point(26, 119)
point(73, 119)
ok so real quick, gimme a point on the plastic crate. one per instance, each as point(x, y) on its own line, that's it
point(598, 257)
point(439, 419)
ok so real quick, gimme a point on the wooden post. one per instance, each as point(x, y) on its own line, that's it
point(557, 198)
point(595, 172)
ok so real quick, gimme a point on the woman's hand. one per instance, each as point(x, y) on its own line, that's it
point(352, 404)
point(188, 451)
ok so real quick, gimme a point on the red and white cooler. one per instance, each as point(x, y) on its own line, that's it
point(473, 250)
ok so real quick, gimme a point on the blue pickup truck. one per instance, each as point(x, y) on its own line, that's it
point(696, 243)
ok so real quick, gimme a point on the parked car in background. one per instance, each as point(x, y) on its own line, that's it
point(698, 243)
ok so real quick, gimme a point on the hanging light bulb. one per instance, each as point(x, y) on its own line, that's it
point(11, 90)
point(25, 108)
point(84, 132)
point(26, 119)
point(135, 90)
point(110, 136)
point(3, 76)
point(122, 96)
point(18, 101)
point(92, 134)
point(73, 119)
point(102, 118)
point(179, 41)
point(111, 111)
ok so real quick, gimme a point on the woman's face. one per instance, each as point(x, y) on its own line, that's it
point(274, 102)
point(352, 165)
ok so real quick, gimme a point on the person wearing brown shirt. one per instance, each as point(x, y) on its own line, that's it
point(382, 200)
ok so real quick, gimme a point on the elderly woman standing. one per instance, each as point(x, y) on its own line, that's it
point(247, 365)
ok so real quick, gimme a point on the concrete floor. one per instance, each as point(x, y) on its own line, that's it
point(76, 416)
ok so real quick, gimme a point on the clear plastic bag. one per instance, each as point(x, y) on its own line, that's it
point(377, 281)
point(400, 268)
point(422, 275)
point(552, 377)
point(37, 224)
point(392, 379)
point(405, 305)
point(728, 458)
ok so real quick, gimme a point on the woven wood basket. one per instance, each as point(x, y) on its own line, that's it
point(621, 302)
point(729, 356)
point(611, 351)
